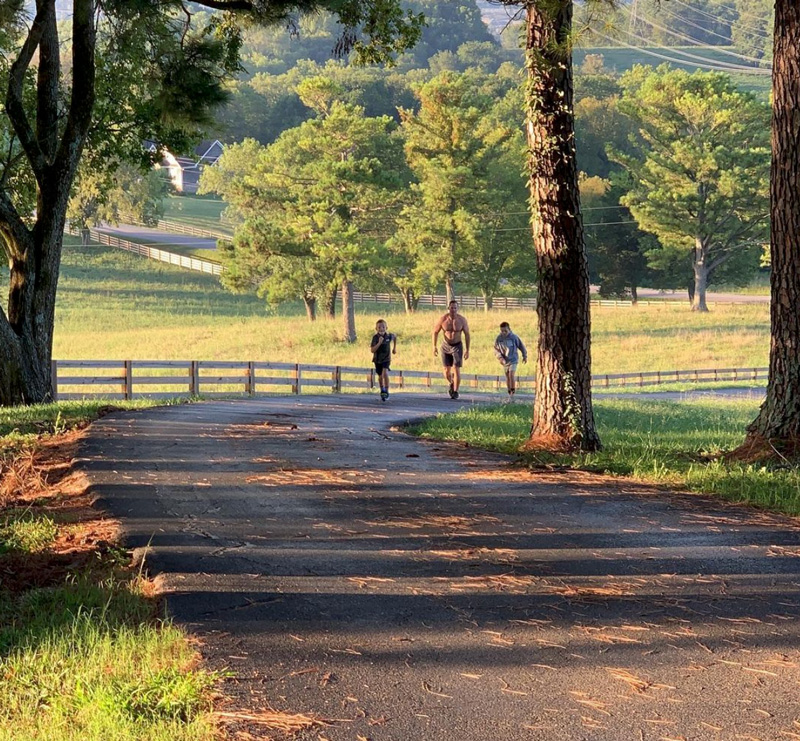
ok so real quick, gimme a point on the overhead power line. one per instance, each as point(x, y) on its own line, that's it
point(696, 42)
point(685, 62)
point(699, 11)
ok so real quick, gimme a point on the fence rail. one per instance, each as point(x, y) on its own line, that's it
point(128, 379)
point(193, 231)
point(154, 253)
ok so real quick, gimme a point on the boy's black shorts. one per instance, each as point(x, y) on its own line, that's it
point(380, 367)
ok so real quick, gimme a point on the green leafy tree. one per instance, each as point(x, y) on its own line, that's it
point(458, 151)
point(125, 194)
point(701, 173)
point(324, 193)
point(617, 251)
point(167, 67)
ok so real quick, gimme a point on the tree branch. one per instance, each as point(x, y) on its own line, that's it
point(228, 4)
point(49, 75)
point(82, 99)
point(15, 107)
point(12, 225)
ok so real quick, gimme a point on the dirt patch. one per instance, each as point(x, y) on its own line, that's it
point(41, 480)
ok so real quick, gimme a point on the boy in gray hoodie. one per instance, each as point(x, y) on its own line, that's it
point(507, 347)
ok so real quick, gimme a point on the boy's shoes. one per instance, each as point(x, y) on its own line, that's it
point(453, 393)
point(384, 395)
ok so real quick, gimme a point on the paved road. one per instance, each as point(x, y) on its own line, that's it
point(412, 591)
point(157, 236)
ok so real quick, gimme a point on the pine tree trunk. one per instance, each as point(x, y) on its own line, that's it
point(563, 418)
point(348, 311)
point(700, 267)
point(777, 426)
point(311, 307)
point(450, 287)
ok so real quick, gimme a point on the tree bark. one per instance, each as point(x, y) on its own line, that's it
point(450, 287)
point(26, 330)
point(330, 304)
point(700, 268)
point(409, 302)
point(634, 295)
point(777, 427)
point(563, 418)
point(348, 312)
point(311, 307)
point(488, 300)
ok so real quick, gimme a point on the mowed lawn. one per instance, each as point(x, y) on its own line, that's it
point(114, 305)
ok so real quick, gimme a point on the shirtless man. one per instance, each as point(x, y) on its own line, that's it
point(452, 324)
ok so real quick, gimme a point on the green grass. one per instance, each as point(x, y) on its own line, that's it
point(663, 442)
point(204, 213)
point(20, 426)
point(115, 305)
point(26, 530)
point(89, 662)
point(88, 659)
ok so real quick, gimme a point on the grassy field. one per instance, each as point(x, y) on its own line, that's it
point(85, 653)
point(663, 442)
point(621, 58)
point(204, 213)
point(117, 305)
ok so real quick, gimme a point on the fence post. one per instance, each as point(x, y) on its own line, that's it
point(128, 387)
point(54, 379)
point(194, 378)
point(337, 380)
point(296, 378)
point(250, 381)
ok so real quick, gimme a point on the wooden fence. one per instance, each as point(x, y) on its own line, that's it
point(154, 253)
point(128, 379)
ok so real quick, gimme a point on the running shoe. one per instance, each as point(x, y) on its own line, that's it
point(452, 392)
point(454, 395)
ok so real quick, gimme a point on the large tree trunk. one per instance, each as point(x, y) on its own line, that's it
point(777, 427)
point(563, 418)
point(26, 329)
point(634, 295)
point(700, 268)
point(488, 300)
point(311, 307)
point(348, 311)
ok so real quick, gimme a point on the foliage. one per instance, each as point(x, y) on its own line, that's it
point(700, 172)
point(617, 259)
point(125, 194)
point(321, 198)
point(466, 153)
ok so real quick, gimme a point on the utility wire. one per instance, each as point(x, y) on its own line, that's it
point(696, 42)
point(722, 66)
point(746, 27)
point(684, 62)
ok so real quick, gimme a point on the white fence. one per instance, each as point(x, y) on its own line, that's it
point(154, 253)
point(128, 379)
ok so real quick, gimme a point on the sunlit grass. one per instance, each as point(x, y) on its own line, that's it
point(115, 305)
point(664, 442)
point(89, 662)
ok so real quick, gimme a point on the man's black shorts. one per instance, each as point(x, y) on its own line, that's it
point(452, 355)
point(380, 367)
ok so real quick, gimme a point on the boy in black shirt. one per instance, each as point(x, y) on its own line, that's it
point(384, 345)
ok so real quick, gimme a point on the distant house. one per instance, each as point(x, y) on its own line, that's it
point(184, 172)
